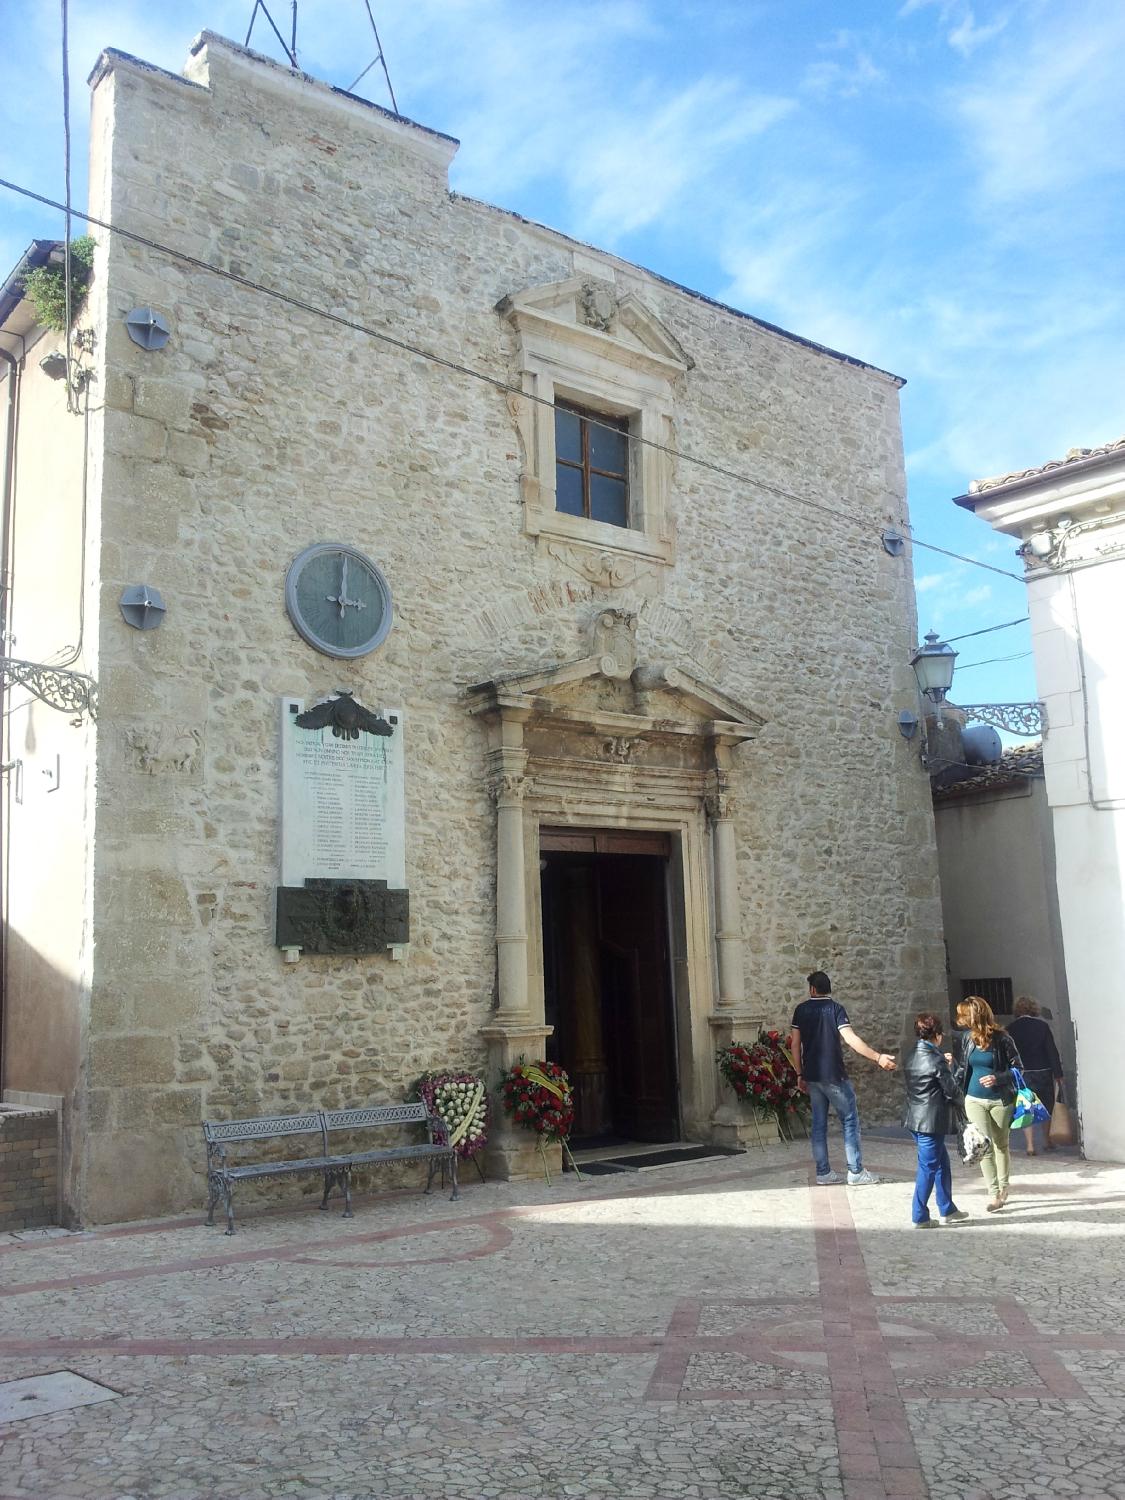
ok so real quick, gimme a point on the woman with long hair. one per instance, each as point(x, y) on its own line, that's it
point(983, 1070)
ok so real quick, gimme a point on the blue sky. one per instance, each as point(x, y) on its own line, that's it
point(933, 186)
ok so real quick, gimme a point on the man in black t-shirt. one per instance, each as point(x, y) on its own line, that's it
point(820, 1024)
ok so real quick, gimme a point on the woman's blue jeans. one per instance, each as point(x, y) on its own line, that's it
point(841, 1096)
point(933, 1171)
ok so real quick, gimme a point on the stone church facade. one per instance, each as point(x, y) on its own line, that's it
point(652, 775)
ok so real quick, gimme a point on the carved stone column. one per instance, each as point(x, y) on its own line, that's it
point(514, 1032)
point(720, 805)
point(508, 787)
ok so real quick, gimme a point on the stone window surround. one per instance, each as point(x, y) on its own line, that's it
point(599, 371)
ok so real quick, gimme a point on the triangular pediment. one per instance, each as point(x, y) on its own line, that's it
point(649, 693)
point(588, 306)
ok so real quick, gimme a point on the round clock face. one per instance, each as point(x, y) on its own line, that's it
point(338, 600)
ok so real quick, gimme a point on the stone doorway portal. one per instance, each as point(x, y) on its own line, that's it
point(607, 980)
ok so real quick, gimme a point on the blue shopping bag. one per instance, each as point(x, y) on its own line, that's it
point(1029, 1108)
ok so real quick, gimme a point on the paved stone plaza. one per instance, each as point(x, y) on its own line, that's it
point(709, 1330)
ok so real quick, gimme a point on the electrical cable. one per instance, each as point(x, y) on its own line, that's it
point(968, 666)
point(945, 552)
point(494, 381)
point(969, 634)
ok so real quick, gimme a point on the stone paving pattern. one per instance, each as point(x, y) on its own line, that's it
point(714, 1330)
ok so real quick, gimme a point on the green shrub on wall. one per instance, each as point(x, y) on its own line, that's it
point(45, 287)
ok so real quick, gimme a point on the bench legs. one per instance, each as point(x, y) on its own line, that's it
point(343, 1176)
point(218, 1188)
point(456, 1193)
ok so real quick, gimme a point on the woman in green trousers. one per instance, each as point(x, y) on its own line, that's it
point(983, 1069)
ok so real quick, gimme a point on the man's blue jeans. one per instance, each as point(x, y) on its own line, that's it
point(933, 1170)
point(841, 1096)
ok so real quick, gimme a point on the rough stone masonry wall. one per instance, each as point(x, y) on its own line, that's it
point(28, 1168)
point(260, 429)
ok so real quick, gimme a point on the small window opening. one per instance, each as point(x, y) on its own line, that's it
point(592, 465)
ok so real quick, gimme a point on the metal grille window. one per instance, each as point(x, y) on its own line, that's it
point(592, 465)
point(998, 993)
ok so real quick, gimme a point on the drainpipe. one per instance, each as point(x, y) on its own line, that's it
point(5, 593)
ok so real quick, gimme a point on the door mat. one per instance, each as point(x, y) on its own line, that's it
point(646, 1161)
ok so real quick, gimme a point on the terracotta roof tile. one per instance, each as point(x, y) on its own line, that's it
point(1015, 766)
point(1073, 456)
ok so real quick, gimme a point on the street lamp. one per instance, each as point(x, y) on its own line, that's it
point(933, 669)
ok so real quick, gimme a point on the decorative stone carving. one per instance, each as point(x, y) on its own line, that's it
point(598, 305)
point(608, 569)
point(719, 801)
point(161, 748)
point(509, 786)
point(623, 748)
point(615, 642)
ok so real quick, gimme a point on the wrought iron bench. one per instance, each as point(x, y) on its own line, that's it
point(336, 1167)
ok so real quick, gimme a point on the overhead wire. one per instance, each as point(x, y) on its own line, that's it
point(992, 660)
point(987, 630)
point(505, 386)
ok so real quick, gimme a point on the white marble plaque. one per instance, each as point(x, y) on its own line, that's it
point(343, 804)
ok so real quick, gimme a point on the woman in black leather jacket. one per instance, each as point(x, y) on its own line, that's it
point(933, 1108)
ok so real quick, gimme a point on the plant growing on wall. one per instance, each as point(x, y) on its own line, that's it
point(45, 287)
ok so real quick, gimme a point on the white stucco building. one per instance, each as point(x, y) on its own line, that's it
point(1070, 518)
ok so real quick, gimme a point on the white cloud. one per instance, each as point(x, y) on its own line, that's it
point(967, 36)
point(928, 581)
point(1049, 115)
point(847, 75)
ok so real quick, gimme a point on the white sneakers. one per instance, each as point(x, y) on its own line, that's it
point(855, 1179)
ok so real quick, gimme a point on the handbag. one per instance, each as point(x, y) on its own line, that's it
point(972, 1143)
point(1029, 1108)
point(1061, 1132)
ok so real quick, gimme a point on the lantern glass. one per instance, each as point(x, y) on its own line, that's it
point(933, 667)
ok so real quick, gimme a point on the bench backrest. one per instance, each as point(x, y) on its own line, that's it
point(265, 1128)
point(220, 1133)
point(379, 1114)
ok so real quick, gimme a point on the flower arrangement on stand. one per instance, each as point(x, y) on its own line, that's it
point(460, 1100)
point(539, 1097)
point(763, 1076)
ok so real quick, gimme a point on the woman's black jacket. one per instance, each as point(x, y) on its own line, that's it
point(933, 1098)
point(1007, 1058)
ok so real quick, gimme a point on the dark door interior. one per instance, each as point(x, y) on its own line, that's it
point(607, 982)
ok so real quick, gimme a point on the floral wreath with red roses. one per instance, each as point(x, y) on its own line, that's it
point(538, 1095)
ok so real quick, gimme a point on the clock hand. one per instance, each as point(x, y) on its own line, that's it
point(343, 585)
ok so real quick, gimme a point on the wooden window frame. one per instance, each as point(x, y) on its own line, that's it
point(587, 416)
